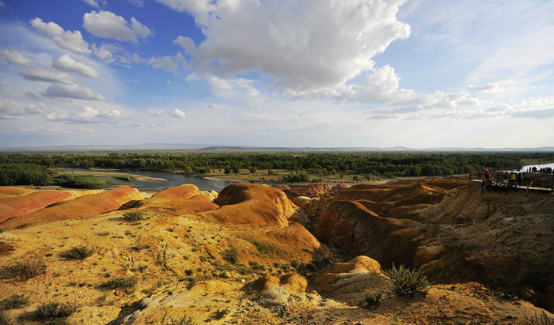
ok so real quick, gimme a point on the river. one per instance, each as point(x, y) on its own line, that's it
point(169, 179)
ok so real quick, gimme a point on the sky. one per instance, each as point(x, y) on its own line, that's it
point(295, 73)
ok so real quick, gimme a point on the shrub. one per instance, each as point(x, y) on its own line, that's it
point(4, 320)
point(1, 230)
point(231, 255)
point(263, 248)
point(373, 299)
point(541, 319)
point(126, 284)
point(221, 313)
point(79, 181)
point(79, 252)
point(134, 216)
point(14, 302)
point(408, 282)
point(183, 321)
point(27, 269)
point(53, 310)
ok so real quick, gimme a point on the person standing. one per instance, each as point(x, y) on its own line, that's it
point(487, 174)
point(519, 179)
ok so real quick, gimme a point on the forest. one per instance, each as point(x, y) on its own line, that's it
point(32, 168)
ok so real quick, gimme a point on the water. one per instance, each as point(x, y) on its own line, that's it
point(170, 180)
point(539, 166)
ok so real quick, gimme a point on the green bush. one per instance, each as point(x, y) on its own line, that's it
point(373, 299)
point(221, 313)
point(263, 248)
point(53, 310)
point(23, 174)
point(408, 282)
point(231, 255)
point(79, 252)
point(14, 302)
point(79, 181)
point(183, 321)
point(125, 284)
point(27, 269)
point(134, 216)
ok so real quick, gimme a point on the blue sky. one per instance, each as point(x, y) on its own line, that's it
point(379, 73)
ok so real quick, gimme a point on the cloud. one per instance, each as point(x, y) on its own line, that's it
point(106, 24)
point(492, 87)
point(92, 3)
point(159, 113)
point(86, 115)
point(47, 76)
point(169, 63)
point(72, 91)
point(308, 50)
point(68, 40)
point(214, 106)
point(138, 3)
point(179, 113)
point(69, 64)
point(9, 110)
point(15, 57)
point(192, 6)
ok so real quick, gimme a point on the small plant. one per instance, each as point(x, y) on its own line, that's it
point(53, 310)
point(263, 248)
point(183, 321)
point(14, 302)
point(373, 299)
point(541, 319)
point(1, 230)
point(27, 269)
point(231, 255)
point(126, 284)
point(4, 320)
point(133, 216)
point(78, 252)
point(408, 282)
point(221, 313)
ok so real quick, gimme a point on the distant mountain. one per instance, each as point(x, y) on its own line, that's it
point(214, 148)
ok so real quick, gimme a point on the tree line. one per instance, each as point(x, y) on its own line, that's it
point(31, 168)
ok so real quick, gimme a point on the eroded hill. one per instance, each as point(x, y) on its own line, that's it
point(243, 259)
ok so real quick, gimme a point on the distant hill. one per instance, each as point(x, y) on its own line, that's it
point(216, 148)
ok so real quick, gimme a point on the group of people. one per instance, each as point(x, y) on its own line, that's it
point(506, 179)
point(545, 170)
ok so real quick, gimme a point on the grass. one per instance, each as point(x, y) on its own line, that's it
point(54, 310)
point(221, 313)
point(183, 321)
point(263, 248)
point(133, 216)
point(27, 269)
point(231, 255)
point(79, 181)
point(407, 282)
point(4, 320)
point(126, 284)
point(373, 299)
point(79, 252)
point(14, 302)
point(541, 319)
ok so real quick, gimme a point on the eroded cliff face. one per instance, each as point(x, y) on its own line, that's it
point(82, 207)
point(452, 232)
point(243, 258)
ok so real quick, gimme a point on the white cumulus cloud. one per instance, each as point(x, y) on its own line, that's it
point(106, 24)
point(308, 49)
point(69, 64)
point(15, 57)
point(47, 76)
point(179, 113)
point(72, 91)
point(69, 40)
